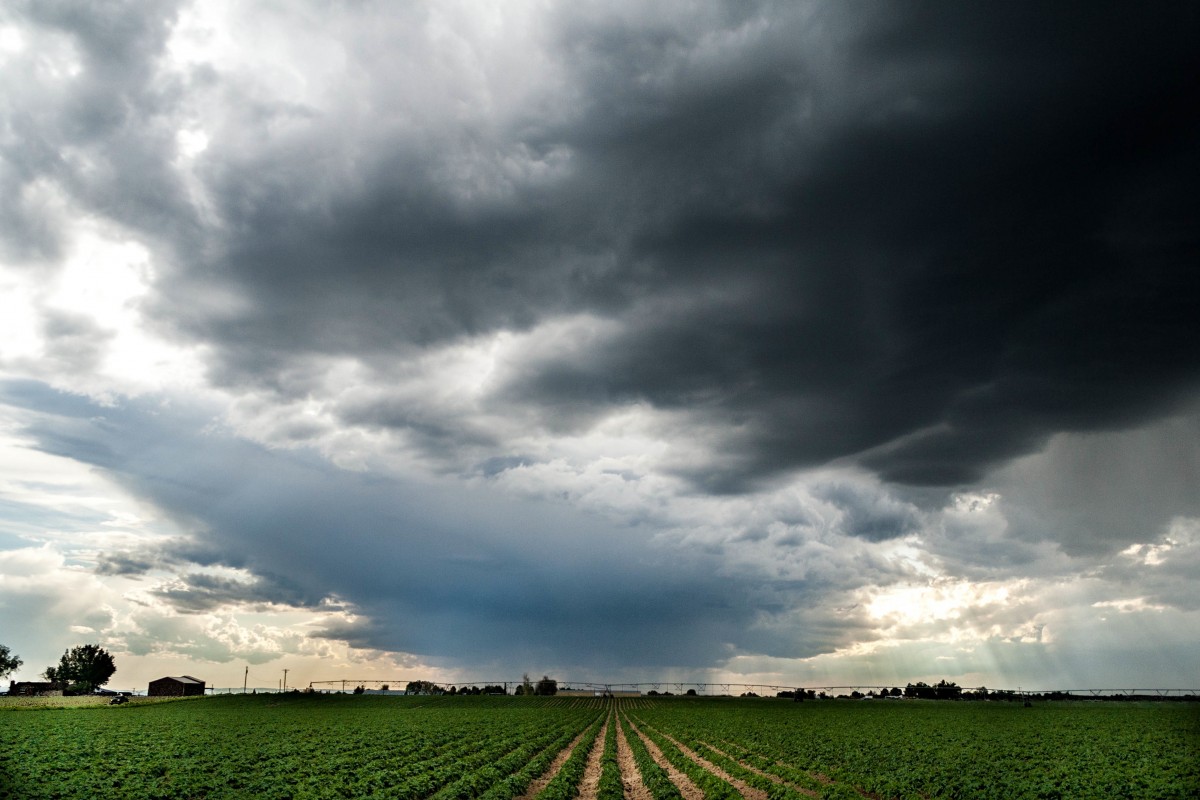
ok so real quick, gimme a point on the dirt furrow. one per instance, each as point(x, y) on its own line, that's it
point(631, 779)
point(589, 787)
point(555, 765)
point(746, 790)
point(689, 790)
point(765, 774)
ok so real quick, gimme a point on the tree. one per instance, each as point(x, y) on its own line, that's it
point(422, 687)
point(947, 690)
point(942, 690)
point(82, 669)
point(9, 662)
point(546, 686)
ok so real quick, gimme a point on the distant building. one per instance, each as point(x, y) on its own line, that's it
point(183, 686)
point(32, 688)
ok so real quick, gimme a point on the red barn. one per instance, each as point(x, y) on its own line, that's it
point(183, 686)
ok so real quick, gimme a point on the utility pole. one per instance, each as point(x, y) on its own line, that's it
point(245, 678)
point(285, 672)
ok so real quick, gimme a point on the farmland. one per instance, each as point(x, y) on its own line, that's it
point(347, 746)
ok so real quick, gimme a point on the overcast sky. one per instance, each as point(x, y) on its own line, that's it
point(790, 343)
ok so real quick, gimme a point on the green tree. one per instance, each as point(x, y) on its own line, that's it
point(82, 669)
point(9, 662)
point(546, 686)
point(422, 687)
point(947, 690)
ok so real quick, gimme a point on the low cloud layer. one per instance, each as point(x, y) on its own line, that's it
point(463, 575)
point(601, 333)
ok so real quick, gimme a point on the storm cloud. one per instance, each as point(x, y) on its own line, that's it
point(920, 238)
point(502, 326)
point(461, 573)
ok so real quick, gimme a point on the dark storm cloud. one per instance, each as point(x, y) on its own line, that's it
point(990, 246)
point(124, 564)
point(1098, 494)
point(466, 575)
point(943, 255)
point(199, 592)
point(921, 238)
point(870, 513)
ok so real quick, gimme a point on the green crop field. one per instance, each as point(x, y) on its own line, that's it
point(348, 746)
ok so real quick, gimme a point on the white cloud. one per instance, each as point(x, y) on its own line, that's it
point(81, 326)
point(1129, 606)
point(941, 601)
point(56, 499)
point(42, 597)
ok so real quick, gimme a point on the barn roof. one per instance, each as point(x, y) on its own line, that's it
point(182, 679)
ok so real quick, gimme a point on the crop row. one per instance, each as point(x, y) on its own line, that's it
point(565, 783)
point(944, 749)
point(341, 746)
point(283, 748)
point(610, 787)
point(655, 778)
point(702, 764)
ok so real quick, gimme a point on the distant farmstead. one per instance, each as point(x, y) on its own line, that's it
point(33, 688)
point(183, 686)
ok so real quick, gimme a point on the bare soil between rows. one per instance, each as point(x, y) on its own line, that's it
point(683, 783)
point(555, 765)
point(631, 778)
point(589, 787)
point(769, 776)
point(746, 790)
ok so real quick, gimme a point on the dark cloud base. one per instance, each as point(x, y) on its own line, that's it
point(920, 238)
point(463, 574)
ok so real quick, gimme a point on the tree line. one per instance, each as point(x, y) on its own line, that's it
point(545, 687)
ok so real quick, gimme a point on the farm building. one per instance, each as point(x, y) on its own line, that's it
point(29, 688)
point(183, 686)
